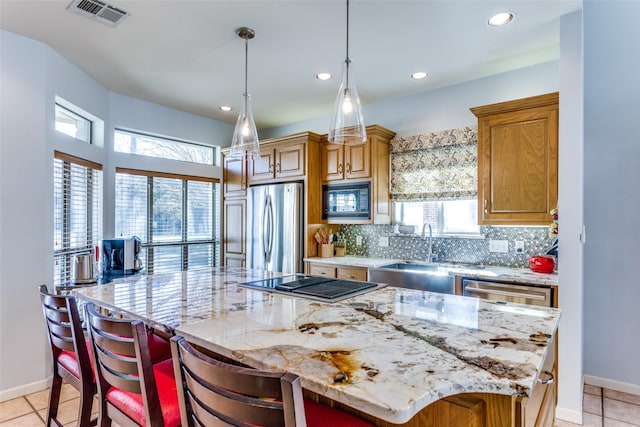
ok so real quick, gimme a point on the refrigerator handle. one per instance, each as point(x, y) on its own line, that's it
point(270, 228)
point(267, 229)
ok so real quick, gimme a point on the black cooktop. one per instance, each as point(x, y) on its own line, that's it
point(319, 287)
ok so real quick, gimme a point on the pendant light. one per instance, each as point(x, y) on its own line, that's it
point(347, 124)
point(245, 136)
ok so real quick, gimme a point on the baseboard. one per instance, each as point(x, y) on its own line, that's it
point(572, 416)
point(612, 384)
point(24, 390)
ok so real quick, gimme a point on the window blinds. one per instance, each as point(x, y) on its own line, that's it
point(175, 217)
point(77, 213)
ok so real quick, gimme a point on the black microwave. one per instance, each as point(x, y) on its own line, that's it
point(346, 201)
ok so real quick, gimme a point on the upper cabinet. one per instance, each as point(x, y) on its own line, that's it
point(518, 161)
point(346, 161)
point(278, 160)
point(234, 175)
point(281, 159)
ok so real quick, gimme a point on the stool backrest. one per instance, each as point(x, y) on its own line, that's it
point(122, 360)
point(64, 329)
point(215, 393)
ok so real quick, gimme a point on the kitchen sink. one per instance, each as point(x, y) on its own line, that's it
point(426, 277)
point(412, 266)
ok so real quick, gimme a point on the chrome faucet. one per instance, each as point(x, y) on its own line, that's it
point(430, 257)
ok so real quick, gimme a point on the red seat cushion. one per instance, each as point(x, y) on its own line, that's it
point(159, 348)
point(131, 403)
point(69, 360)
point(319, 415)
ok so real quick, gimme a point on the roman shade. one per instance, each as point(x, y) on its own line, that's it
point(435, 166)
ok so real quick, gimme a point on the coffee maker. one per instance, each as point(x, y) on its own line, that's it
point(121, 256)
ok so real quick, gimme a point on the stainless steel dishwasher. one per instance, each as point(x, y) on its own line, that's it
point(509, 292)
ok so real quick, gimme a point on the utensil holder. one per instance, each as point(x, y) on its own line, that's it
point(326, 250)
point(341, 251)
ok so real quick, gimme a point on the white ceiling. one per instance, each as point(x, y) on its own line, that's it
point(186, 54)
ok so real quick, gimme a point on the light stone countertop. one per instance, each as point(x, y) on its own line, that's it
point(488, 272)
point(389, 353)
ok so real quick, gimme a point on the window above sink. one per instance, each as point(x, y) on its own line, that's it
point(455, 218)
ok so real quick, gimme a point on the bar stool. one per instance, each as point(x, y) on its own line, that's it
point(70, 355)
point(214, 393)
point(132, 390)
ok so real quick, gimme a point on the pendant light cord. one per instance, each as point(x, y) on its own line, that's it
point(347, 60)
point(246, 68)
point(347, 30)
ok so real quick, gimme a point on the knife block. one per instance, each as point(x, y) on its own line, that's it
point(326, 250)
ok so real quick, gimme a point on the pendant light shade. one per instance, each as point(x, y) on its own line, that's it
point(245, 136)
point(347, 123)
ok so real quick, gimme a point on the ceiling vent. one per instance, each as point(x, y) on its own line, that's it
point(100, 11)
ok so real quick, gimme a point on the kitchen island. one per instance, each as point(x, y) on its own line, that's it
point(392, 355)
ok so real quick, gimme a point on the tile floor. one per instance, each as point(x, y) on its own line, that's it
point(602, 408)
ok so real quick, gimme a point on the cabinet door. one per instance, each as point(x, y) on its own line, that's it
point(352, 273)
point(518, 165)
point(234, 228)
point(235, 173)
point(322, 270)
point(262, 168)
point(290, 161)
point(357, 160)
point(332, 162)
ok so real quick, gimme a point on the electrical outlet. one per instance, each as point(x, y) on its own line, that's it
point(383, 241)
point(358, 240)
point(519, 245)
point(501, 246)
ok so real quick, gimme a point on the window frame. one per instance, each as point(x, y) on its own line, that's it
point(214, 149)
point(149, 244)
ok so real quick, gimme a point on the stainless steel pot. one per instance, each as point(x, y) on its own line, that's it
point(83, 269)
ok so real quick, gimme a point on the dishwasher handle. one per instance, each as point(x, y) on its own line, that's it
point(504, 293)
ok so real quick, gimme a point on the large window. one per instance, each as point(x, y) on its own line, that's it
point(174, 216)
point(448, 217)
point(77, 214)
point(164, 148)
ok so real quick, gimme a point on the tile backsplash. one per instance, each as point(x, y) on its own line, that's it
point(449, 249)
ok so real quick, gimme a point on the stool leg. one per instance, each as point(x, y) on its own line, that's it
point(54, 399)
point(84, 412)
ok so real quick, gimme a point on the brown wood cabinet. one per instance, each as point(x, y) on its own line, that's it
point(343, 162)
point(234, 232)
point(363, 162)
point(337, 271)
point(234, 176)
point(518, 161)
point(278, 161)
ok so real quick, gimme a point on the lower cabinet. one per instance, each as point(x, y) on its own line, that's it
point(234, 232)
point(338, 271)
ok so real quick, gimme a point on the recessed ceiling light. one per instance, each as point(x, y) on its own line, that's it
point(225, 108)
point(419, 75)
point(323, 76)
point(499, 19)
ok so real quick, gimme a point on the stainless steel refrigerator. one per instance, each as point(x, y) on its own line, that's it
point(274, 227)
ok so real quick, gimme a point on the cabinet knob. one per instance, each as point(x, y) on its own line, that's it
point(340, 168)
point(270, 167)
point(485, 206)
point(278, 167)
point(348, 168)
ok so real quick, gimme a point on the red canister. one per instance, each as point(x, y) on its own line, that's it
point(542, 263)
